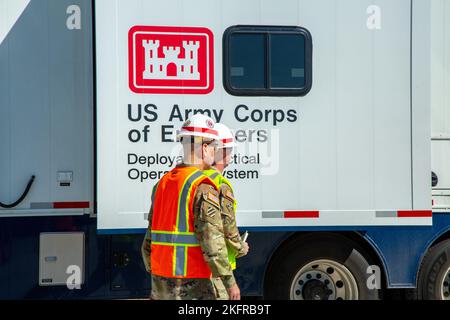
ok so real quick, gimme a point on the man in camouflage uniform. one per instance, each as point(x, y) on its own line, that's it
point(209, 230)
point(235, 246)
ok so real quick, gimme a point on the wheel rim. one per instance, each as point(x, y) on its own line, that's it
point(324, 280)
point(445, 287)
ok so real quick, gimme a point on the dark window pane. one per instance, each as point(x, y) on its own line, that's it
point(287, 61)
point(247, 61)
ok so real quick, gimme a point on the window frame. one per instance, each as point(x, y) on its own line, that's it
point(267, 31)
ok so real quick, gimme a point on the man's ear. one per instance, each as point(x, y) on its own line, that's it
point(204, 146)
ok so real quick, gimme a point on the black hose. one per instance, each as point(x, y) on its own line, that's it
point(27, 189)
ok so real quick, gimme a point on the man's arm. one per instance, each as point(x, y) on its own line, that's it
point(230, 229)
point(147, 243)
point(209, 230)
point(146, 246)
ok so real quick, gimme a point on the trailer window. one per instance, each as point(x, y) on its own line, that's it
point(247, 69)
point(287, 61)
point(267, 61)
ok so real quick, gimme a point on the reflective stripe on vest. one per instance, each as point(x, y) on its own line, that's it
point(180, 261)
point(183, 202)
point(214, 175)
point(171, 238)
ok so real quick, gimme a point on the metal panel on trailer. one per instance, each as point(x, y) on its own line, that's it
point(420, 105)
point(46, 105)
point(440, 103)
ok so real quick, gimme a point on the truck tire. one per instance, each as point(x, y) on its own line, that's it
point(320, 267)
point(434, 276)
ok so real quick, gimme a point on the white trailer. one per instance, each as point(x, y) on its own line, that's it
point(352, 149)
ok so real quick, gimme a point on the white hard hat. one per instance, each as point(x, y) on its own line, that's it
point(199, 125)
point(226, 136)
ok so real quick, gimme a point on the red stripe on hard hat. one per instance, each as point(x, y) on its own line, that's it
point(227, 140)
point(202, 130)
point(301, 214)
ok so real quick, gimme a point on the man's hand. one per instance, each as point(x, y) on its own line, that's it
point(234, 293)
point(245, 248)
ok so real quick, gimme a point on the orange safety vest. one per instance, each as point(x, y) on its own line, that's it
point(175, 250)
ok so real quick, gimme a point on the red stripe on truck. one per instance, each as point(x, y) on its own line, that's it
point(71, 205)
point(301, 214)
point(414, 213)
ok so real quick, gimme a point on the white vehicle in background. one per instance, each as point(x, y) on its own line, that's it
point(341, 112)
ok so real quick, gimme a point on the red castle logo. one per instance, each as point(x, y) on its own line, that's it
point(171, 60)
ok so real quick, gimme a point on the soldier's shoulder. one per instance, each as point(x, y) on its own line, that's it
point(226, 191)
point(225, 187)
point(206, 187)
point(207, 192)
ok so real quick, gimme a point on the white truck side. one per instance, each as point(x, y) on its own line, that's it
point(354, 148)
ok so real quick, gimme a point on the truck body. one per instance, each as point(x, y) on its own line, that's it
point(340, 111)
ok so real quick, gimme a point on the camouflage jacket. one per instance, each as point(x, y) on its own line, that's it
point(231, 232)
